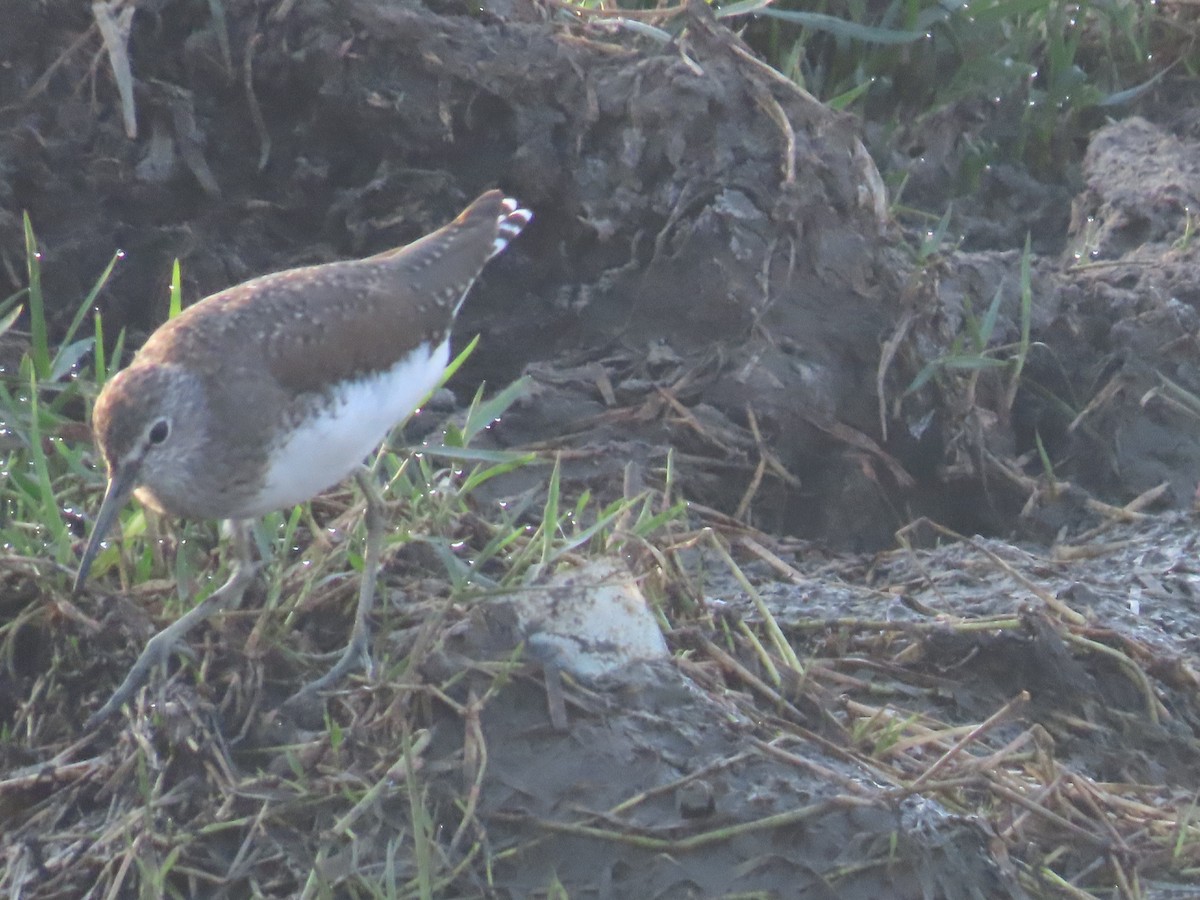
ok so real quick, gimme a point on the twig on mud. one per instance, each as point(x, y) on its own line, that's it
point(778, 640)
point(114, 24)
point(887, 355)
point(1009, 709)
point(475, 763)
point(766, 459)
point(852, 437)
point(822, 772)
point(44, 79)
point(766, 453)
point(748, 495)
point(705, 838)
point(689, 418)
point(780, 565)
point(245, 851)
point(960, 626)
point(1077, 551)
point(660, 14)
point(773, 74)
point(1111, 390)
point(1154, 708)
point(935, 739)
point(1063, 610)
point(638, 799)
point(1130, 512)
point(768, 104)
point(1020, 799)
point(556, 702)
point(1007, 753)
point(44, 775)
point(400, 770)
point(256, 116)
point(734, 667)
point(1048, 877)
point(1087, 793)
point(764, 658)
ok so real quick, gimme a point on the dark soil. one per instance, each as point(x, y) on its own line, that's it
point(713, 272)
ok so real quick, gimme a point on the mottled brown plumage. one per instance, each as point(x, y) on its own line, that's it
point(262, 395)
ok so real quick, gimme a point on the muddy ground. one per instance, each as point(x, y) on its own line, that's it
point(713, 270)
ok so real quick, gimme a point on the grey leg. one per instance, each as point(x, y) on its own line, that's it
point(158, 648)
point(358, 651)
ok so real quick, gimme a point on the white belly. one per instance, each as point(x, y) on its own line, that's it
point(328, 447)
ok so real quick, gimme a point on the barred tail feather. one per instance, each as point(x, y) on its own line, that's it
point(509, 225)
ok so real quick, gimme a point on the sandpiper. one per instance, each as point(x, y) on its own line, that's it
point(265, 394)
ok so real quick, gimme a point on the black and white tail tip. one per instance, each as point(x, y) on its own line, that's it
point(510, 224)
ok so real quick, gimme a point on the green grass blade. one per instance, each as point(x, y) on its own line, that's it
point(842, 28)
point(549, 526)
point(924, 376)
point(67, 358)
point(971, 362)
point(1120, 98)
point(100, 364)
point(475, 455)
point(1026, 322)
point(10, 318)
point(482, 475)
point(90, 300)
point(481, 416)
point(988, 325)
point(844, 100)
point(988, 11)
point(38, 338)
point(647, 524)
point(456, 363)
point(175, 303)
point(933, 239)
point(48, 511)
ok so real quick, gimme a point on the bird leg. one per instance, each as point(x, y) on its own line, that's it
point(358, 651)
point(158, 648)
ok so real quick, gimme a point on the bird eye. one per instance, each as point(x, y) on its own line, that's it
point(159, 431)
